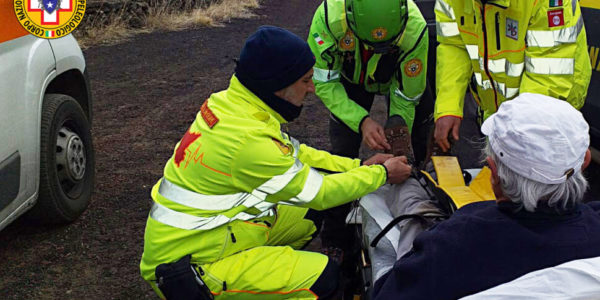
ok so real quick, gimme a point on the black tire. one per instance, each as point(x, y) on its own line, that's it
point(66, 161)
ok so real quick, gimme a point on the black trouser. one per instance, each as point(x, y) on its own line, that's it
point(344, 142)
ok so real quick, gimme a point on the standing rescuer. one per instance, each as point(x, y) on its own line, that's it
point(501, 48)
point(235, 202)
point(363, 48)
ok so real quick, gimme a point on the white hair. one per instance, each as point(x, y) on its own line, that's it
point(529, 193)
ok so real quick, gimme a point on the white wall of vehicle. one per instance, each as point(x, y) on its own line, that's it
point(28, 66)
point(66, 55)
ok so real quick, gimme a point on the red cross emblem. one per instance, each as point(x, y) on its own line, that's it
point(50, 14)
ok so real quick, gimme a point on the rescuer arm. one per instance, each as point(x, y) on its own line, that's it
point(557, 63)
point(453, 69)
point(327, 74)
point(324, 160)
point(261, 165)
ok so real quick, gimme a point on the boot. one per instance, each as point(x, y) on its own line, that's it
point(398, 136)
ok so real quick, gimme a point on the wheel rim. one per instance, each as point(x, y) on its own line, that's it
point(70, 161)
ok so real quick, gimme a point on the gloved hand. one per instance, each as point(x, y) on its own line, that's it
point(398, 169)
point(373, 135)
point(443, 126)
point(378, 158)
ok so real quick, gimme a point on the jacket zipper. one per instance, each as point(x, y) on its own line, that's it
point(497, 31)
point(485, 56)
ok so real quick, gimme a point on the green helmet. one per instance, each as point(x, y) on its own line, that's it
point(378, 23)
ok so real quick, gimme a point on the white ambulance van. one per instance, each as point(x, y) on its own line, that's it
point(46, 153)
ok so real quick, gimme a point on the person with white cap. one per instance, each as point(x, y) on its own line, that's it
point(537, 148)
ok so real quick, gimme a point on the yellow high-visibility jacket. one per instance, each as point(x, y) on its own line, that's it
point(500, 48)
point(227, 175)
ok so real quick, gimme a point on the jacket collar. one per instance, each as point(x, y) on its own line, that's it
point(238, 90)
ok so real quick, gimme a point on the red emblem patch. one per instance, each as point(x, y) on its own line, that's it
point(186, 141)
point(208, 116)
point(556, 18)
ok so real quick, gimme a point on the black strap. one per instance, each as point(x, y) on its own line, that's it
point(394, 222)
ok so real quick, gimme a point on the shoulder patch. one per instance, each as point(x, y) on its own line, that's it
point(556, 18)
point(347, 42)
point(284, 149)
point(413, 67)
point(208, 116)
point(318, 39)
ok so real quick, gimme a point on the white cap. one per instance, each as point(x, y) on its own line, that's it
point(539, 137)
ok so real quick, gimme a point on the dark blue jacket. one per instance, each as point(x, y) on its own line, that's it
point(483, 245)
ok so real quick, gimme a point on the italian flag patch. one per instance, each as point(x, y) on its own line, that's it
point(318, 39)
point(555, 3)
point(49, 33)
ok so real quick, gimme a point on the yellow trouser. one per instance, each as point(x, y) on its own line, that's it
point(273, 271)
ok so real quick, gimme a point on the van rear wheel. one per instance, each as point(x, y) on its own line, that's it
point(66, 161)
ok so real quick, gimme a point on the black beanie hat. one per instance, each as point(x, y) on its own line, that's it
point(272, 59)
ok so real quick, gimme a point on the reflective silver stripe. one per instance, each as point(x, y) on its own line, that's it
point(325, 75)
point(485, 84)
point(278, 182)
point(478, 78)
point(445, 8)
point(188, 198)
point(264, 206)
point(506, 92)
point(312, 185)
point(496, 65)
point(447, 29)
point(551, 38)
point(500, 87)
point(473, 51)
point(296, 146)
point(503, 65)
point(399, 93)
point(256, 199)
point(514, 70)
point(181, 220)
point(224, 202)
point(511, 93)
point(550, 66)
point(267, 213)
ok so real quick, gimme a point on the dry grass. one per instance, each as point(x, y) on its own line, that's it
point(115, 32)
point(164, 18)
point(214, 15)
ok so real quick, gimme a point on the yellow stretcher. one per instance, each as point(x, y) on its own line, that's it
point(450, 188)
